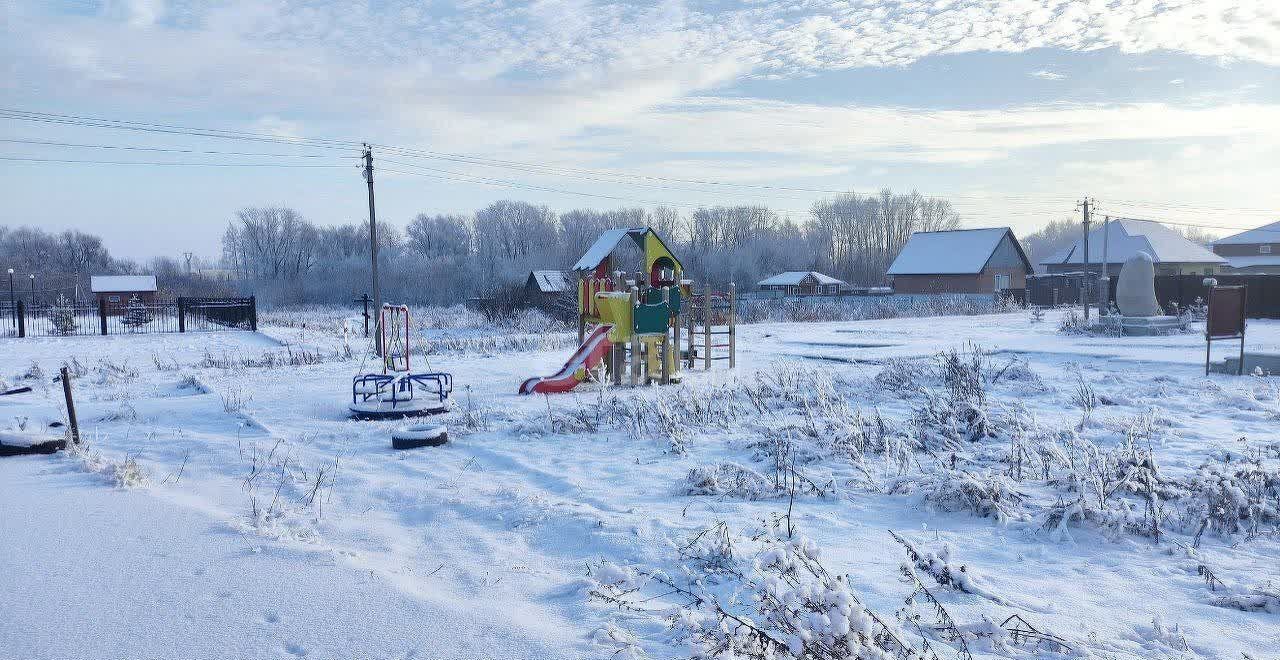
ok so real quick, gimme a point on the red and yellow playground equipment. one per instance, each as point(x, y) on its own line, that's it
point(628, 324)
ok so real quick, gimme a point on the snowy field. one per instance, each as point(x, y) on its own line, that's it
point(1102, 489)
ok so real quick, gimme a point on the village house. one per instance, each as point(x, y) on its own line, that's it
point(543, 287)
point(960, 261)
point(802, 283)
point(1120, 239)
point(1252, 252)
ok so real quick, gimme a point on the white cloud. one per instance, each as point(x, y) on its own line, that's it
point(1046, 75)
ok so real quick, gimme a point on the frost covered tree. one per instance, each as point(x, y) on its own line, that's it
point(62, 315)
point(137, 314)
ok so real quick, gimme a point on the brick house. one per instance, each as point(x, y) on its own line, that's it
point(1256, 251)
point(116, 290)
point(960, 261)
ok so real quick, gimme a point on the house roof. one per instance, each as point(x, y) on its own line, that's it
point(1264, 234)
point(1126, 238)
point(795, 277)
point(954, 252)
point(122, 283)
point(551, 281)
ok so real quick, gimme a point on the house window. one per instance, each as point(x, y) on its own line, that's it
point(1002, 281)
point(113, 299)
point(1264, 249)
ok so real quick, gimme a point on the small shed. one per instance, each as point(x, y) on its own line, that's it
point(802, 283)
point(544, 286)
point(115, 291)
point(960, 261)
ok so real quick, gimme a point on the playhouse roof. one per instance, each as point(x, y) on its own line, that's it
point(609, 240)
point(122, 283)
point(1128, 237)
point(795, 277)
point(952, 252)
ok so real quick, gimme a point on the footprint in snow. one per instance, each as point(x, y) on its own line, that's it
point(294, 649)
point(271, 617)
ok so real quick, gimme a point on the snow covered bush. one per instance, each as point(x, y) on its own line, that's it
point(771, 598)
point(984, 495)
point(1229, 497)
point(728, 479)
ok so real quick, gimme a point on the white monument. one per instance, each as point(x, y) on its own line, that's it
point(1140, 312)
point(1136, 287)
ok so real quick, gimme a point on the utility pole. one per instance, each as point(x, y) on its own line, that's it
point(373, 248)
point(1104, 282)
point(1084, 281)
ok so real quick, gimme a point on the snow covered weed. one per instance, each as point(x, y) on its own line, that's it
point(127, 473)
point(496, 344)
point(771, 598)
point(728, 479)
point(984, 495)
point(864, 308)
point(285, 498)
point(769, 595)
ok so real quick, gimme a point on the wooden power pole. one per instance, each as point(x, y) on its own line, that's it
point(1084, 281)
point(373, 249)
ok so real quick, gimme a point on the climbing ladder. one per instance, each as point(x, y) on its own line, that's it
point(712, 322)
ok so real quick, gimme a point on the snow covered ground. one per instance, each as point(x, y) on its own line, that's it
point(226, 506)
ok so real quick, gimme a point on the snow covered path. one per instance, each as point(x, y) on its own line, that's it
point(295, 531)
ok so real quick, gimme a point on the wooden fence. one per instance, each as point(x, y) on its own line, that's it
point(21, 319)
point(1182, 290)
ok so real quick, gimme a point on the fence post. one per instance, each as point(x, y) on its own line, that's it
point(71, 405)
point(182, 314)
point(22, 319)
point(253, 313)
point(102, 315)
point(733, 325)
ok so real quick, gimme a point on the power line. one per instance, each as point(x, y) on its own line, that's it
point(618, 177)
point(25, 159)
point(50, 143)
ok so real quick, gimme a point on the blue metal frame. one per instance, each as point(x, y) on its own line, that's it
point(402, 391)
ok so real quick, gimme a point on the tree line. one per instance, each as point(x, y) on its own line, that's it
point(448, 258)
point(285, 258)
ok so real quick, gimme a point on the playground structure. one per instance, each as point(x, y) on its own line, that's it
point(632, 325)
point(397, 391)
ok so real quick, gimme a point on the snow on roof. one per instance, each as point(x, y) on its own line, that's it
point(1126, 238)
point(551, 281)
point(956, 252)
point(1264, 234)
point(603, 246)
point(794, 277)
point(122, 283)
point(1254, 260)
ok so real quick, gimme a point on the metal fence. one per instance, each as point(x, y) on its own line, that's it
point(1263, 297)
point(19, 319)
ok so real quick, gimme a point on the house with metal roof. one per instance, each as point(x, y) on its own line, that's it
point(1256, 251)
point(115, 291)
point(1120, 239)
point(960, 261)
point(802, 283)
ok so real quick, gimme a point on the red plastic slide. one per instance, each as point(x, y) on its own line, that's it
point(588, 355)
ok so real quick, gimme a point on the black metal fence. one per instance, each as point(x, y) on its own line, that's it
point(19, 319)
point(1263, 291)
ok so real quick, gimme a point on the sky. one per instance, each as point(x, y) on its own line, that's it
point(1012, 110)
